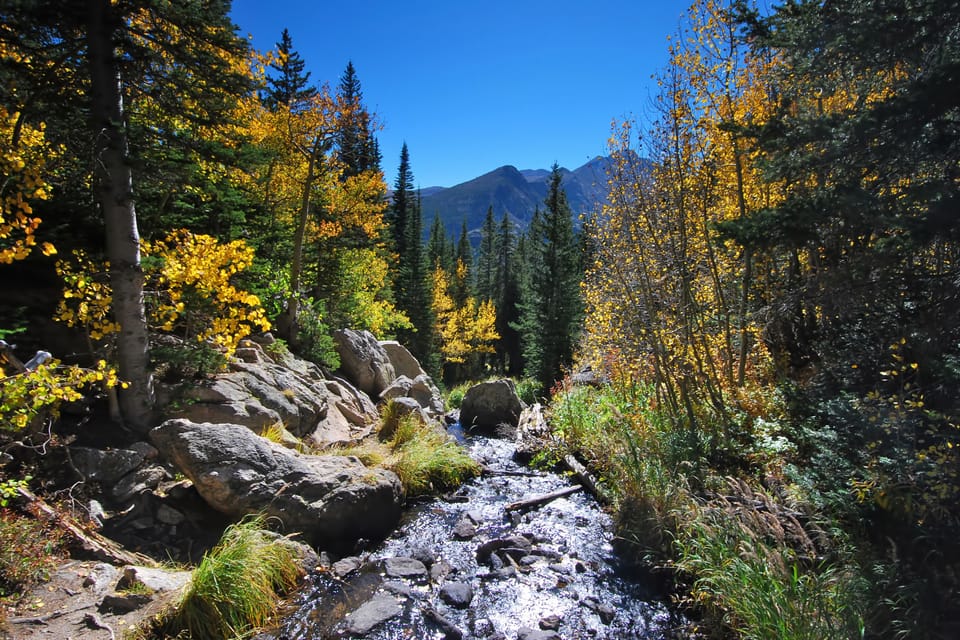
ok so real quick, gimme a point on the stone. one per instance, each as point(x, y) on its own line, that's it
point(409, 568)
point(457, 594)
point(155, 579)
point(449, 629)
point(105, 466)
point(526, 633)
point(427, 395)
point(550, 623)
point(146, 478)
point(399, 388)
point(375, 611)
point(168, 515)
point(328, 499)
point(516, 545)
point(409, 406)
point(440, 570)
point(363, 361)
point(490, 405)
point(464, 529)
point(398, 588)
point(120, 603)
point(344, 566)
point(100, 577)
point(404, 363)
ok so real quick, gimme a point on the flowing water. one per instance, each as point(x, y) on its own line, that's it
point(549, 573)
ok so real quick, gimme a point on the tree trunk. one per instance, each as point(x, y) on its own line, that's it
point(115, 191)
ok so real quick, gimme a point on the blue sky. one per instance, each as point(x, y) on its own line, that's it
point(471, 86)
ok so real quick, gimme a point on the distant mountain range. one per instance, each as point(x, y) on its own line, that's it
point(514, 192)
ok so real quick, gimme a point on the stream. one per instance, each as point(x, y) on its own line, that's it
point(461, 567)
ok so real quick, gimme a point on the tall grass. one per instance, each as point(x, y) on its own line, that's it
point(236, 587)
point(750, 571)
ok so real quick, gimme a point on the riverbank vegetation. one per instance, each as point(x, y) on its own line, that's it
point(770, 294)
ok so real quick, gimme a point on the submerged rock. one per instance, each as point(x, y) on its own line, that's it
point(372, 613)
point(329, 499)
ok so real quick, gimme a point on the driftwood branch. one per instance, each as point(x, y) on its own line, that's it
point(100, 547)
point(538, 501)
point(586, 479)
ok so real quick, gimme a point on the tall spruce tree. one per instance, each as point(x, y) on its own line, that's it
point(357, 145)
point(487, 258)
point(506, 296)
point(289, 85)
point(438, 245)
point(551, 307)
point(403, 204)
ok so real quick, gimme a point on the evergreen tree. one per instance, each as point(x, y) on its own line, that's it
point(357, 145)
point(462, 285)
point(438, 246)
point(403, 204)
point(506, 296)
point(551, 307)
point(289, 86)
point(487, 258)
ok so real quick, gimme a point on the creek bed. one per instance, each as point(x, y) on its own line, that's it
point(548, 573)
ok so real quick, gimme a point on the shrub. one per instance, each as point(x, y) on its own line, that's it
point(427, 459)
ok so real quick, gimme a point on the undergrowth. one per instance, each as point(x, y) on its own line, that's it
point(750, 562)
point(29, 550)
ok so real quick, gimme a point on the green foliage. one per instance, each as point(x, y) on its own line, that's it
point(29, 550)
point(237, 585)
point(427, 460)
point(454, 397)
point(314, 338)
point(761, 587)
point(9, 488)
point(178, 361)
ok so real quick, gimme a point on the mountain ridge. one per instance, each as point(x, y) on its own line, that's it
point(514, 192)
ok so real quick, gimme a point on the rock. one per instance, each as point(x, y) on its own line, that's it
point(106, 466)
point(550, 623)
point(263, 394)
point(587, 377)
point(144, 479)
point(154, 579)
point(526, 633)
point(489, 405)
point(399, 388)
point(450, 630)
point(440, 570)
point(516, 544)
point(457, 594)
point(604, 611)
point(120, 603)
point(344, 566)
point(533, 434)
point(427, 395)
point(409, 406)
point(464, 529)
point(375, 611)
point(483, 628)
point(168, 515)
point(409, 568)
point(404, 363)
point(100, 577)
point(398, 588)
point(363, 361)
point(329, 499)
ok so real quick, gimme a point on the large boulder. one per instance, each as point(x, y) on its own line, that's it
point(260, 394)
point(330, 500)
point(491, 405)
point(404, 362)
point(364, 361)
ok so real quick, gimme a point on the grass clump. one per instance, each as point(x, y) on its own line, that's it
point(236, 587)
point(427, 460)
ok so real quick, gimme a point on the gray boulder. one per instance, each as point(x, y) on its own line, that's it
point(363, 361)
point(404, 363)
point(263, 394)
point(491, 405)
point(328, 499)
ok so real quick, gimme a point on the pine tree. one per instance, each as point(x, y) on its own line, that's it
point(506, 296)
point(357, 145)
point(403, 203)
point(462, 285)
point(438, 245)
point(487, 258)
point(551, 307)
point(290, 86)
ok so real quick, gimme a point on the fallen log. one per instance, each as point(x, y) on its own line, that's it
point(586, 479)
point(99, 546)
point(539, 501)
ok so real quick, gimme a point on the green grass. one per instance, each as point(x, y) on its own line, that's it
point(743, 568)
point(236, 587)
point(427, 460)
point(29, 550)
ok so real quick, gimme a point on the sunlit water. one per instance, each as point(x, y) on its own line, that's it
point(572, 574)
